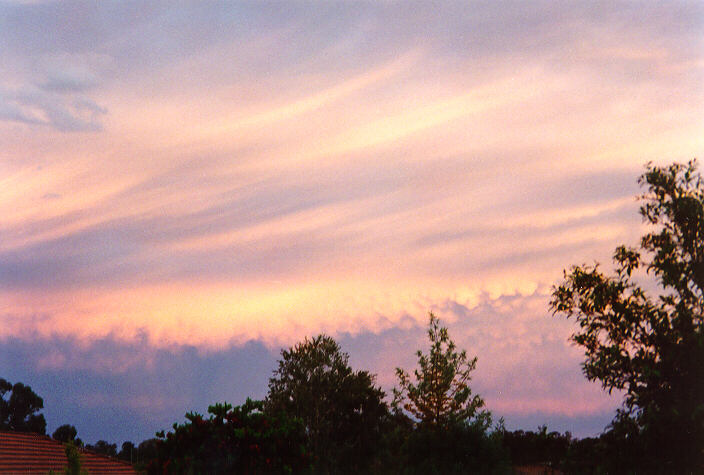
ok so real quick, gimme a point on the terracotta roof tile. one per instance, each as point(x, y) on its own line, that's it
point(28, 453)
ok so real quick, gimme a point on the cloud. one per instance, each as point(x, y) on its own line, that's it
point(267, 173)
point(39, 108)
point(525, 370)
point(50, 89)
point(69, 80)
point(100, 385)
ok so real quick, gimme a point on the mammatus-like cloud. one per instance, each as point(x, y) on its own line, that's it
point(525, 372)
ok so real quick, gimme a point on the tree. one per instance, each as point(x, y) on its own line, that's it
point(75, 462)
point(441, 395)
point(104, 447)
point(19, 410)
point(239, 439)
point(342, 410)
point(452, 433)
point(147, 452)
point(67, 433)
point(650, 346)
point(537, 448)
point(127, 452)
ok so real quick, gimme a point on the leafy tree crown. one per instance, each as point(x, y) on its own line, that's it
point(342, 409)
point(651, 347)
point(20, 407)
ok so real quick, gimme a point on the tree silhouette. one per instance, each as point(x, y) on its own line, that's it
point(240, 439)
point(342, 409)
point(127, 451)
point(441, 395)
point(452, 431)
point(19, 408)
point(75, 461)
point(651, 347)
point(67, 433)
point(103, 447)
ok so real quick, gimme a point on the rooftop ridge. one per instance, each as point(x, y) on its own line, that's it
point(31, 453)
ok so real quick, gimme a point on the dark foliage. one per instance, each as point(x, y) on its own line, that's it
point(239, 439)
point(459, 447)
point(342, 410)
point(391, 456)
point(537, 448)
point(103, 447)
point(74, 459)
point(19, 408)
point(128, 452)
point(586, 456)
point(147, 451)
point(451, 433)
point(651, 347)
point(67, 433)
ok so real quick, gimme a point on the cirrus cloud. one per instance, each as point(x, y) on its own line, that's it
point(260, 173)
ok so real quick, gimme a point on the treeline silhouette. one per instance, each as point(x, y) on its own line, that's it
point(321, 416)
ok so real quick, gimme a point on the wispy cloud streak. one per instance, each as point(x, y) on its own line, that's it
point(207, 175)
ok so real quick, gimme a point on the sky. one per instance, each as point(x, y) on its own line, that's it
point(187, 188)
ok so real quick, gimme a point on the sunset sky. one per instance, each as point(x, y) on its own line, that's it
point(187, 188)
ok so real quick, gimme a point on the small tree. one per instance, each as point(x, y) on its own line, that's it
point(65, 433)
point(452, 431)
point(652, 348)
point(127, 452)
point(147, 452)
point(342, 410)
point(20, 410)
point(103, 447)
point(75, 461)
point(441, 395)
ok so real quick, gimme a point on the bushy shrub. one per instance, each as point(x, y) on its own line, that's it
point(239, 439)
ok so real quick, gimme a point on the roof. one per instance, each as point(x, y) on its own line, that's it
point(29, 453)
